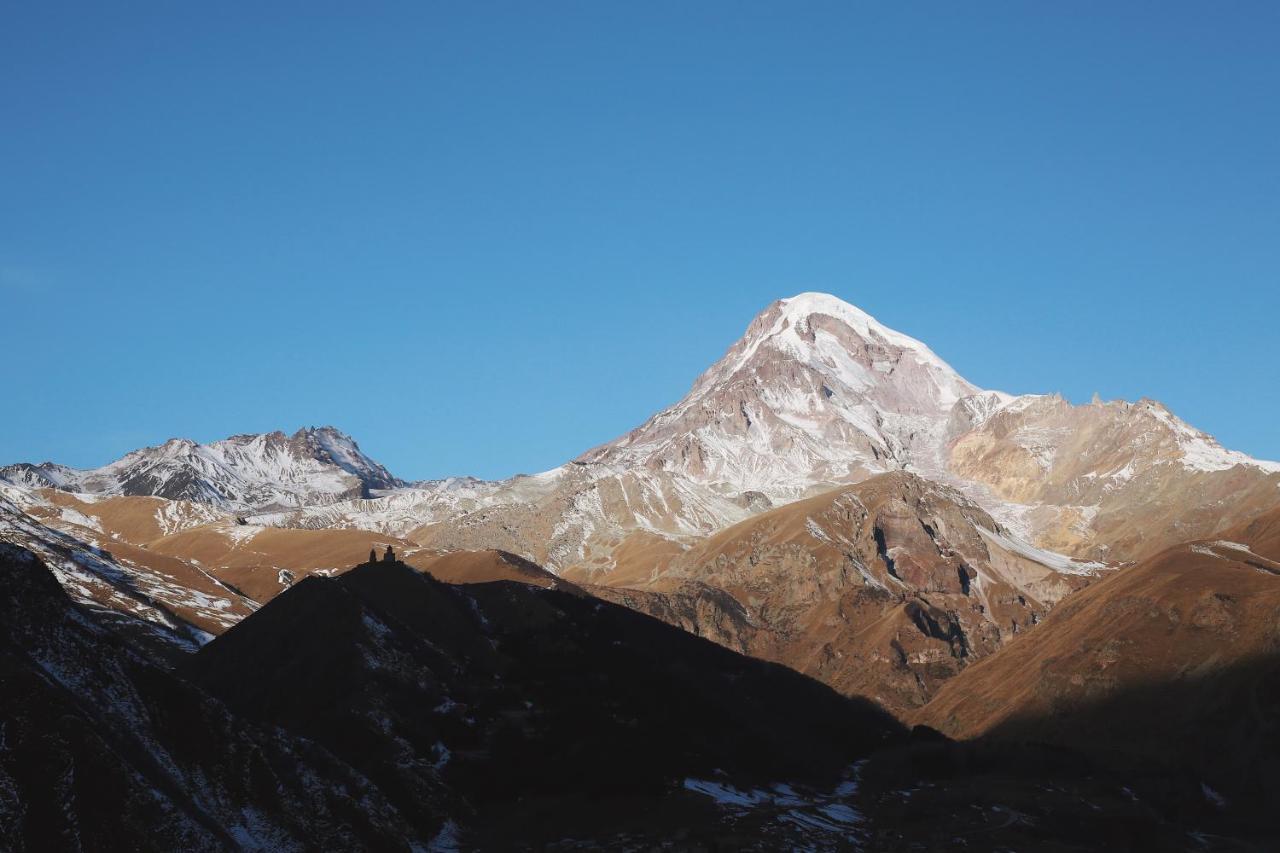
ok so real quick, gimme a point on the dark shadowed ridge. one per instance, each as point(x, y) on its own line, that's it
point(1184, 765)
point(102, 749)
point(524, 700)
point(381, 708)
point(1209, 743)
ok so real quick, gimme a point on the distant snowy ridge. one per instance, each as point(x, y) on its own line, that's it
point(314, 466)
point(815, 395)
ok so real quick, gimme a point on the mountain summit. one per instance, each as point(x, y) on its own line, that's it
point(816, 391)
point(818, 394)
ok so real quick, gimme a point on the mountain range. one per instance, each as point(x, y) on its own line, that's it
point(815, 395)
point(830, 497)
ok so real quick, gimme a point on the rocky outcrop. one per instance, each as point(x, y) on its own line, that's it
point(884, 589)
point(1110, 481)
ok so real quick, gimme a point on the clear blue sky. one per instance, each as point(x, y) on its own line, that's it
point(483, 237)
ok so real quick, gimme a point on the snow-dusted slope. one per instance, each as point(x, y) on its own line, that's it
point(1112, 480)
point(816, 392)
point(268, 471)
point(167, 600)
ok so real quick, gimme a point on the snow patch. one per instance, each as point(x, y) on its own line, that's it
point(1057, 562)
point(447, 840)
point(1201, 451)
point(73, 516)
point(726, 795)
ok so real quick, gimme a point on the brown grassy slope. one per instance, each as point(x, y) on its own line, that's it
point(486, 566)
point(190, 545)
point(1183, 616)
point(133, 519)
point(1262, 534)
point(254, 564)
point(124, 576)
point(637, 560)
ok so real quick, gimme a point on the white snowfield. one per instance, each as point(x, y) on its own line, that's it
point(827, 818)
point(1057, 562)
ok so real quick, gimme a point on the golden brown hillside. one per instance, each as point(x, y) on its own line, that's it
point(1186, 638)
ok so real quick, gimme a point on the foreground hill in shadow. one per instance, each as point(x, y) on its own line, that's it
point(526, 713)
point(1166, 674)
point(382, 709)
point(1183, 765)
point(385, 710)
point(103, 749)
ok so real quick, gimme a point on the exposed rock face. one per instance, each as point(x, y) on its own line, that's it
point(884, 589)
point(313, 466)
point(694, 607)
point(1109, 480)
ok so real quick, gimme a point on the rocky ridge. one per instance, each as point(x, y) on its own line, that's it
point(884, 589)
point(816, 395)
point(244, 472)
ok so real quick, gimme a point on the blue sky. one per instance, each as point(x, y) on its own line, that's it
point(484, 237)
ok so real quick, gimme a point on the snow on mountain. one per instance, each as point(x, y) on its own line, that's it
point(330, 445)
point(164, 600)
point(818, 389)
point(46, 475)
point(268, 471)
point(1199, 450)
point(817, 394)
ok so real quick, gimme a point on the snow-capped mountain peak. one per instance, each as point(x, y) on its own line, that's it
point(331, 445)
point(798, 312)
point(816, 391)
point(244, 472)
